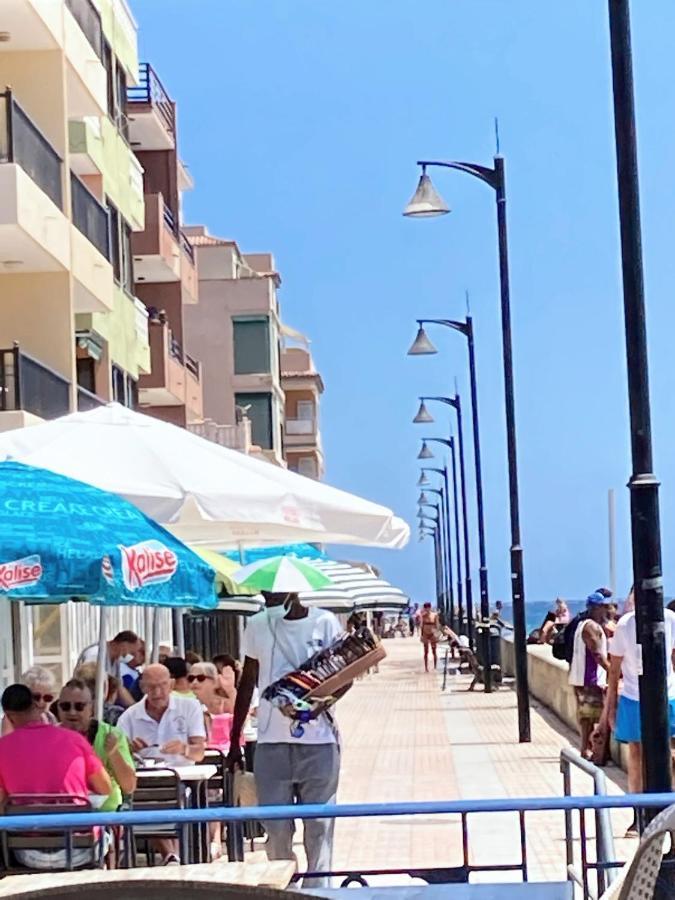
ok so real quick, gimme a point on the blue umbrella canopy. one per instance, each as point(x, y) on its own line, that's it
point(61, 538)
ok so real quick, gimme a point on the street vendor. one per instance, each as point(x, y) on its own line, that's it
point(289, 769)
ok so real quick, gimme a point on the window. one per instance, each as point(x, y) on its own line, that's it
point(306, 410)
point(109, 65)
point(260, 413)
point(86, 374)
point(251, 345)
point(307, 466)
point(118, 385)
point(115, 248)
point(127, 259)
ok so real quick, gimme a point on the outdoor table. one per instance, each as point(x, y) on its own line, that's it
point(196, 776)
point(531, 890)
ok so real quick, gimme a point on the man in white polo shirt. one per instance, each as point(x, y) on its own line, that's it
point(165, 726)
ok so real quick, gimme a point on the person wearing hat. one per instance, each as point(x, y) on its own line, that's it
point(589, 667)
point(623, 703)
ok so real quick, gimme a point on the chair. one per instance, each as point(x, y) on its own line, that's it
point(49, 839)
point(157, 789)
point(637, 879)
point(220, 793)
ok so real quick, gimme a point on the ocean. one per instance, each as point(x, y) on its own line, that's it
point(535, 611)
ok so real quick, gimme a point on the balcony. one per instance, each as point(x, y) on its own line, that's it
point(85, 141)
point(302, 434)
point(157, 253)
point(86, 400)
point(188, 270)
point(27, 386)
point(234, 437)
point(34, 233)
point(152, 114)
point(175, 377)
point(90, 241)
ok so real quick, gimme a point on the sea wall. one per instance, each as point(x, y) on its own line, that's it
point(548, 683)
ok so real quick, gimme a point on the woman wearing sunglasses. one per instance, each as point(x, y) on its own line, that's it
point(75, 709)
point(42, 685)
point(213, 693)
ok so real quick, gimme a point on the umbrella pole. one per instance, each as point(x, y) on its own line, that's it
point(147, 629)
point(155, 635)
point(101, 663)
point(178, 632)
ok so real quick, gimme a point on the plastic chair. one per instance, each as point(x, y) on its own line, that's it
point(637, 879)
point(158, 789)
point(48, 839)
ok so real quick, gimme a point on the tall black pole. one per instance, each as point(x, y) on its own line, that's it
point(458, 554)
point(448, 531)
point(465, 522)
point(644, 487)
point(437, 557)
point(517, 579)
point(446, 550)
point(443, 562)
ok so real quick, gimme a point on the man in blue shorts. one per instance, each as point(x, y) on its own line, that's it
point(623, 703)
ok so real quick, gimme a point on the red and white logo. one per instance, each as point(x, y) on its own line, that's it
point(107, 570)
point(20, 573)
point(149, 562)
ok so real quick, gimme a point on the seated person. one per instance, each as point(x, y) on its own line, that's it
point(121, 649)
point(167, 726)
point(111, 710)
point(42, 685)
point(178, 669)
point(38, 758)
point(76, 712)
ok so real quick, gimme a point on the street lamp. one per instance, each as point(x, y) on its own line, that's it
point(445, 533)
point(443, 471)
point(450, 442)
point(644, 487)
point(422, 346)
point(422, 481)
point(425, 452)
point(427, 202)
point(444, 538)
point(455, 402)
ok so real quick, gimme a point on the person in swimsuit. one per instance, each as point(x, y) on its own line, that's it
point(429, 632)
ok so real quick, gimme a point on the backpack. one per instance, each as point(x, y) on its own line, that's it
point(563, 642)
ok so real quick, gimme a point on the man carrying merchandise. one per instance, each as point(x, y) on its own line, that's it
point(303, 769)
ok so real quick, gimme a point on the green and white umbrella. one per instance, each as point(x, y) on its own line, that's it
point(281, 574)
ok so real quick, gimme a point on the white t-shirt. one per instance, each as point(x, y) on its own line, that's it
point(182, 719)
point(624, 644)
point(280, 645)
point(90, 655)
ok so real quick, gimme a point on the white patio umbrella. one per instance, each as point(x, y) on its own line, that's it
point(207, 495)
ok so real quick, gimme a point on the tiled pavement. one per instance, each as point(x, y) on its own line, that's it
point(403, 739)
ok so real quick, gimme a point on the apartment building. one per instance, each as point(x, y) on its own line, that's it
point(72, 332)
point(236, 331)
point(303, 387)
point(165, 263)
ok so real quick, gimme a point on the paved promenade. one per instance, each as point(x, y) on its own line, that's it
point(406, 740)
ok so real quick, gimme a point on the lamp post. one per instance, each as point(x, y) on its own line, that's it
point(428, 531)
point(455, 500)
point(445, 505)
point(434, 524)
point(422, 503)
point(644, 487)
point(423, 415)
point(427, 202)
point(465, 520)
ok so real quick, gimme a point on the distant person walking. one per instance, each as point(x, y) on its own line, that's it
point(589, 667)
point(413, 617)
point(429, 634)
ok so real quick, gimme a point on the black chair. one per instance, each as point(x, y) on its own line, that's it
point(47, 840)
point(157, 789)
point(220, 793)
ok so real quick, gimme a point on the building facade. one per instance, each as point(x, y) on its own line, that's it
point(235, 331)
point(303, 387)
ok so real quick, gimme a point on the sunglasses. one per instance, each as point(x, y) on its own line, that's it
point(48, 698)
point(199, 678)
point(78, 705)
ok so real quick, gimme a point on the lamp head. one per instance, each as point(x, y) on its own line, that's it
point(423, 416)
point(422, 498)
point(423, 481)
point(421, 346)
point(425, 452)
point(426, 201)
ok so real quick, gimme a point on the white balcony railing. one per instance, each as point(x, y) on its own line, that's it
point(141, 321)
point(300, 426)
point(235, 437)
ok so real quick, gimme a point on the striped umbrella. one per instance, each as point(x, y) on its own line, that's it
point(354, 588)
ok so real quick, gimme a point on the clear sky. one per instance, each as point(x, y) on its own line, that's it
point(301, 121)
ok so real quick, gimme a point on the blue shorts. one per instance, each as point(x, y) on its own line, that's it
point(628, 728)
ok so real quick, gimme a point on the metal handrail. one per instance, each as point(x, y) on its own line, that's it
point(151, 90)
point(175, 348)
point(192, 366)
point(605, 852)
point(89, 19)
point(187, 247)
point(169, 218)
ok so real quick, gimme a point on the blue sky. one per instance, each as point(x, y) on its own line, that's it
point(301, 122)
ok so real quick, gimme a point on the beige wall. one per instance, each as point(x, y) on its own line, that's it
point(35, 311)
point(38, 83)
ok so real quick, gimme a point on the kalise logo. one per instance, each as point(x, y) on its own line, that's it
point(107, 570)
point(20, 573)
point(147, 563)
